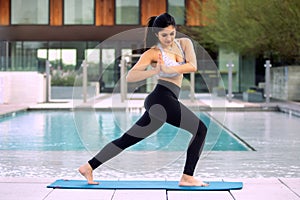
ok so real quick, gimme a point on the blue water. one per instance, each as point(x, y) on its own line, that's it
point(69, 131)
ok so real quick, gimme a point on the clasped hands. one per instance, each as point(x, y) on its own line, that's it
point(160, 66)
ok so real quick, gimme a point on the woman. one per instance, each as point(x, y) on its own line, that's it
point(170, 58)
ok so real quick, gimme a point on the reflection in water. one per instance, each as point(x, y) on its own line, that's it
point(85, 130)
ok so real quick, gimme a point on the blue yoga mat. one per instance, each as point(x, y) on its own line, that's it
point(165, 185)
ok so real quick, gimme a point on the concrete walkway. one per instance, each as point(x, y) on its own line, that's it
point(13, 188)
point(10, 108)
point(35, 189)
point(203, 102)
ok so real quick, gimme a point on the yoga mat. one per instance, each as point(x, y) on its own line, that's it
point(139, 184)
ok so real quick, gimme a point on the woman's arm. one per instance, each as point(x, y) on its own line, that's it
point(139, 71)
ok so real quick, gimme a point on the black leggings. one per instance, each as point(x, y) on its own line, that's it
point(162, 106)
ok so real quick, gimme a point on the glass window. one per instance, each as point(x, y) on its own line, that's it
point(4, 55)
point(93, 59)
point(23, 56)
point(79, 12)
point(108, 62)
point(68, 57)
point(127, 12)
point(177, 9)
point(29, 12)
point(61, 59)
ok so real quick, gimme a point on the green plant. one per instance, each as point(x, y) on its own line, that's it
point(63, 79)
point(251, 91)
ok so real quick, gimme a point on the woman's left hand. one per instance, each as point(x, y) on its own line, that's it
point(162, 66)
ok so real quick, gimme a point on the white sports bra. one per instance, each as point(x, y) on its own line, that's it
point(169, 62)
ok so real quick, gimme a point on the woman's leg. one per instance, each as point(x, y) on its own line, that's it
point(191, 123)
point(176, 114)
point(144, 127)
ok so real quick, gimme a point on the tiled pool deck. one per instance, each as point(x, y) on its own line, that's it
point(273, 187)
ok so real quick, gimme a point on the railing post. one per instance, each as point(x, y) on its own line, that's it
point(267, 81)
point(48, 83)
point(230, 65)
point(123, 86)
point(192, 86)
point(84, 66)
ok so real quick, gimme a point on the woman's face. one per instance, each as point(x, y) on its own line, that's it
point(166, 36)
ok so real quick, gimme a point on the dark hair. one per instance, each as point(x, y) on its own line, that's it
point(155, 24)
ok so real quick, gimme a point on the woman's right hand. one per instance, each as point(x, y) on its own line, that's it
point(155, 68)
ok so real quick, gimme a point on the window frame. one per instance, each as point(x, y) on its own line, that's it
point(74, 24)
point(129, 24)
point(29, 24)
point(184, 10)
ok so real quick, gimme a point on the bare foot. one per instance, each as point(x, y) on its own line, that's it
point(87, 171)
point(187, 180)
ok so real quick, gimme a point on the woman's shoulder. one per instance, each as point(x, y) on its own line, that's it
point(184, 41)
point(151, 53)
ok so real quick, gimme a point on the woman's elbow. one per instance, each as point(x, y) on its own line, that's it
point(191, 67)
point(194, 69)
point(128, 78)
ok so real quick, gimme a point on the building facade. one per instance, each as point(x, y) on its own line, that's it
point(65, 31)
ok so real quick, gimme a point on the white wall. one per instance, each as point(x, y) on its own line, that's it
point(285, 83)
point(22, 87)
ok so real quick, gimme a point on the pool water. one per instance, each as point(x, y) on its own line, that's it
point(69, 131)
point(49, 144)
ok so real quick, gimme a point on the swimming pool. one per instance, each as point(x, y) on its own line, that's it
point(66, 131)
point(274, 135)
